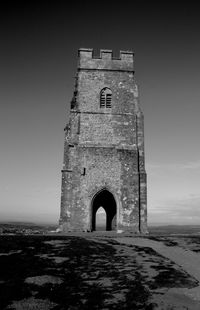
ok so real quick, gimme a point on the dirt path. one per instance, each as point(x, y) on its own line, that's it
point(188, 260)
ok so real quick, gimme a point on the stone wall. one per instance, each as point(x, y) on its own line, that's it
point(104, 148)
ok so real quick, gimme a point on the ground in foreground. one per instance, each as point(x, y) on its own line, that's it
point(97, 272)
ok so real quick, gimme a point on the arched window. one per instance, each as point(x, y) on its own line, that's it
point(105, 98)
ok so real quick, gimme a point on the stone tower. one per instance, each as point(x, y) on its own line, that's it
point(104, 147)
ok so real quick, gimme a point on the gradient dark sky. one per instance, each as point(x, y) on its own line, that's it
point(38, 57)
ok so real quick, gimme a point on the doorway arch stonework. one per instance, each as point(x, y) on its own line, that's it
point(105, 199)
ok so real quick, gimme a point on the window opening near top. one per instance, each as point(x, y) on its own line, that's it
point(106, 98)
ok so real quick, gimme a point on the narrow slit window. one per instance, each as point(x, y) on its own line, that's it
point(106, 98)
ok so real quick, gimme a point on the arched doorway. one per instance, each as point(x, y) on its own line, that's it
point(106, 200)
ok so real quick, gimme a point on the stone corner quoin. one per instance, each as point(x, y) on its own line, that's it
point(104, 163)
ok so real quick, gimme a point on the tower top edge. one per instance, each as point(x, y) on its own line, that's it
point(105, 54)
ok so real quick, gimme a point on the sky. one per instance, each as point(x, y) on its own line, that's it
point(38, 59)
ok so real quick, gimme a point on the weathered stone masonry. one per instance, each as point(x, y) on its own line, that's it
point(104, 147)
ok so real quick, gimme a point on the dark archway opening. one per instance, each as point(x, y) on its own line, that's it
point(107, 201)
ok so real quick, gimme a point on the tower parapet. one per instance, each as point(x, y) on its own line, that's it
point(105, 61)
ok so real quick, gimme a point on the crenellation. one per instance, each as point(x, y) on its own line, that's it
point(105, 61)
point(106, 54)
point(126, 56)
point(85, 52)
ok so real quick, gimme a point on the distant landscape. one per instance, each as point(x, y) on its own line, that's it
point(34, 228)
point(26, 228)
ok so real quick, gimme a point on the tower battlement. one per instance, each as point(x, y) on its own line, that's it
point(105, 60)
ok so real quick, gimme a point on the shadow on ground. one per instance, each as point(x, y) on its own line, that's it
point(62, 272)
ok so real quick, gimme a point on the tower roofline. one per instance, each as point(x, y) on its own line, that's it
point(105, 59)
point(103, 52)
